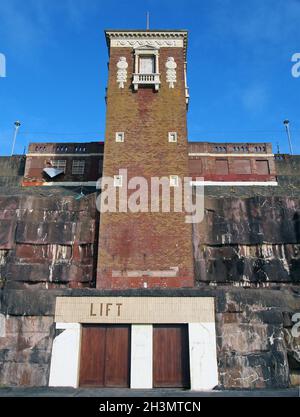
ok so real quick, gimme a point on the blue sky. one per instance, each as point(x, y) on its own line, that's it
point(239, 66)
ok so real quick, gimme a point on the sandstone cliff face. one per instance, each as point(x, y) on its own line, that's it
point(25, 350)
point(47, 242)
point(246, 255)
point(248, 241)
point(255, 345)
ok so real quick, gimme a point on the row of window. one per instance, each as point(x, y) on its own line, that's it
point(172, 137)
point(40, 148)
point(61, 148)
point(78, 167)
point(76, 149)
point(239, 149)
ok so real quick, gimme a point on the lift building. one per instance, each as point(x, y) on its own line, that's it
point(145, 299)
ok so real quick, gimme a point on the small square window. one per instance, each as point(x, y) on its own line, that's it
point(174, 180)
point(172, 137)
point(118, 181)
point(120, 137)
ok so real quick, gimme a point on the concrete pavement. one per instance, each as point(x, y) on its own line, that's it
point(163, 393)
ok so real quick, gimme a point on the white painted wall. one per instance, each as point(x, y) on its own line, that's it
point(141, 356)
point(2, 326)
point(235, 183)
point(64, 369)
point(203, 356)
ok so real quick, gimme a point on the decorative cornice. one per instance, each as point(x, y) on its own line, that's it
point(157, 39)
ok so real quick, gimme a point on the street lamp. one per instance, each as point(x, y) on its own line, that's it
point(288, 132)
point(17, 127)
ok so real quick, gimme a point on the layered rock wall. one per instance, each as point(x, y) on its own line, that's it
point(48, 241)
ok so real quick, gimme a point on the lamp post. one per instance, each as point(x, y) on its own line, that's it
point(288, 132)
point(17, 127)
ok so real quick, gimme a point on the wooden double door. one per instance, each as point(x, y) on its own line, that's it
point(105, 356)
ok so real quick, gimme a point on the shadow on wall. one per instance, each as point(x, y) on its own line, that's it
point(296, 220)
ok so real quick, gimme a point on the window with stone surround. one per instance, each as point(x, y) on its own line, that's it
point(78, 167)
point(172, 137)
point(146, 68)
point(59, 164)
point(174, 181)
point(118, 181)
point(120, 137)
point(147, 64)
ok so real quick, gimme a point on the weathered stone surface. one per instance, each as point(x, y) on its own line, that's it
point(258, 370)
point(249, 221)
point(252, 350)
point(227, 299)
point(7, 234)
point(248, 263)
point(23, 374)
point(77, 273)
point(27, 272)
point(248, 241)
point(293, 349)
point(244, 338)
point(25, 351)
point(48, 240)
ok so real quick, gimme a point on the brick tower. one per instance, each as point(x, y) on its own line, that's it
point(146, 134)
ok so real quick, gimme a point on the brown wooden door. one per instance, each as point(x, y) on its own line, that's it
point(105, 356)
point(117, 356)
point(92, 356)
point(170, 356)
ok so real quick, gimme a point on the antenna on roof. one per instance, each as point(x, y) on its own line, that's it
point(278, 148)
point(148, 21)
point(288, 132)
point(17, 127)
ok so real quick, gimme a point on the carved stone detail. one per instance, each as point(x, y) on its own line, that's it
point(171, 72)
point(134, 43)
point(122, 66)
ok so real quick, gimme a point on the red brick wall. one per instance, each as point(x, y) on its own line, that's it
point(41, 156)
point(239, 169)
point(145, 241)
point(253, 161)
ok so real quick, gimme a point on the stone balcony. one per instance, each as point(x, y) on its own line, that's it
point(146, 79)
